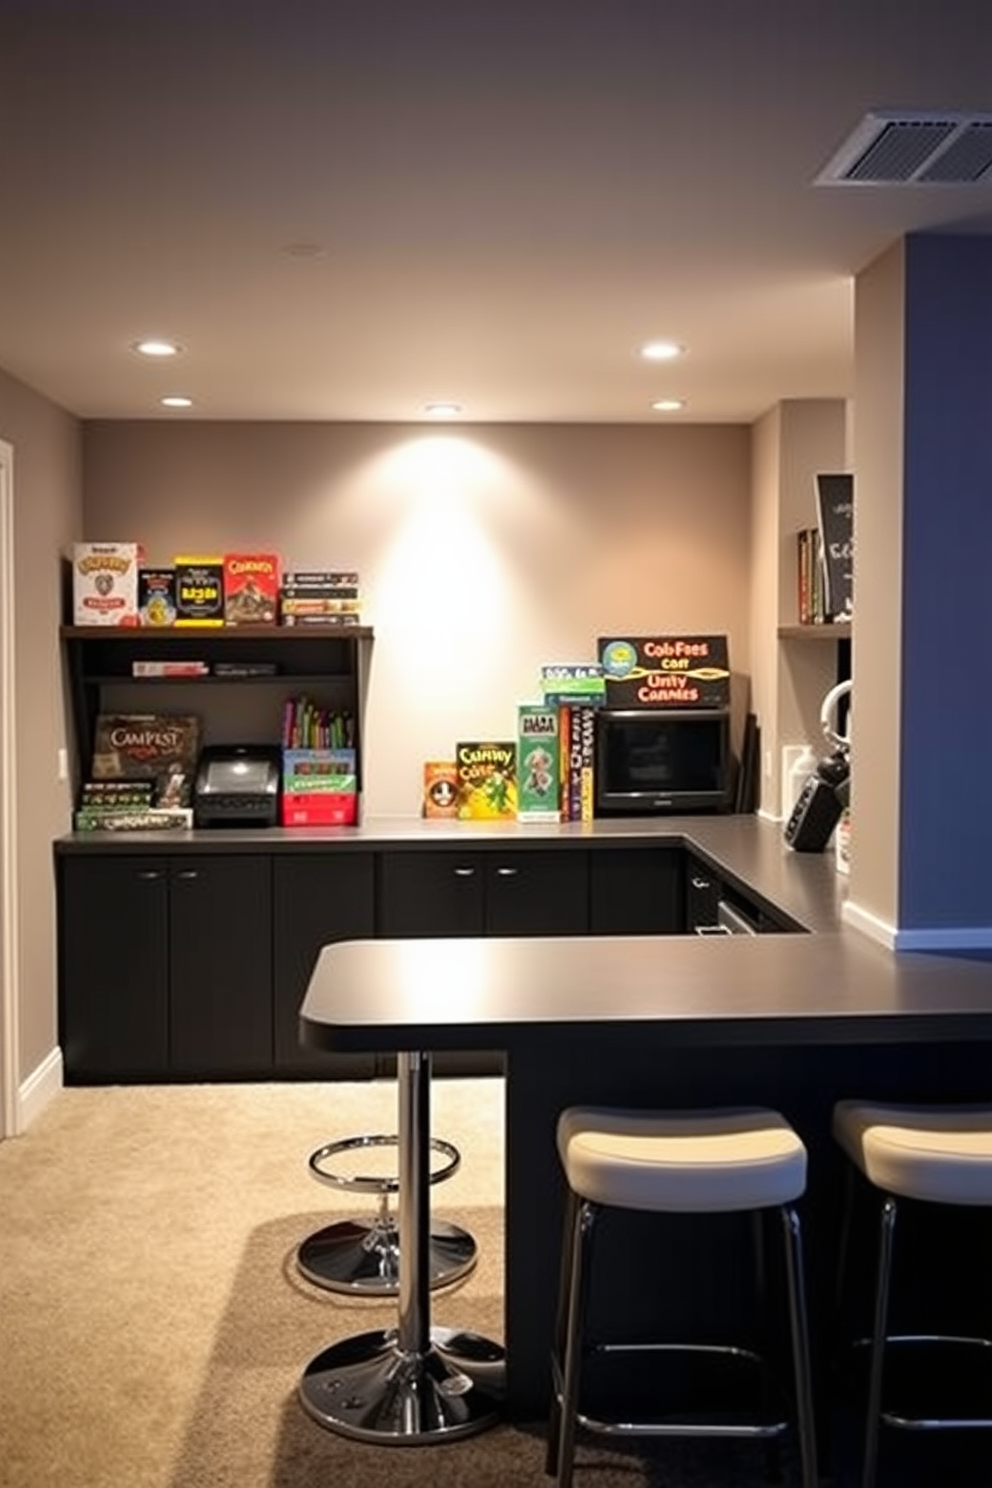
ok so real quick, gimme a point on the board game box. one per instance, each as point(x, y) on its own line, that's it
point(251, 588)
point(105, 583)
point(157, 746)
point(487, 781)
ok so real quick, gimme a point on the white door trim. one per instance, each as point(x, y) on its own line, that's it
point(10, 1069)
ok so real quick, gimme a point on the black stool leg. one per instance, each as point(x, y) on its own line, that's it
point(584, 1218)
point(879, 1324)
point(561, 1332)
point(799, 1323)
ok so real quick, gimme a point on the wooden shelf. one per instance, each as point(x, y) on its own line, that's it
point(840, 630)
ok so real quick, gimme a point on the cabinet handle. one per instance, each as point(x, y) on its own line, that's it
point(464, 872)
point(507, 872)
point(188, 873)
point(150, 873)
point(701, 883)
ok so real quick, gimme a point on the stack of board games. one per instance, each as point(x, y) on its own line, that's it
point(142, 773)
point(319, 767)
point(319, 788)
point(487, 780)
point(320, 597)
point(105, 583)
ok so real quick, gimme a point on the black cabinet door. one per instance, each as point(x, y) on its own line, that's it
point(530, 892)
point(635, 891)
point(220, 955)
point(431, 893)
point(317, 899)
point(113, 968)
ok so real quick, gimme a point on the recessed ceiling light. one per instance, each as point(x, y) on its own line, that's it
point(443, 410)
point(177, 400)
point(668, 405)
point(662, 351)
point(155, 348)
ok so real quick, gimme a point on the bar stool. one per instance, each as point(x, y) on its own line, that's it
point(362, 1257)
point(688, 1162)
point(937, 1154)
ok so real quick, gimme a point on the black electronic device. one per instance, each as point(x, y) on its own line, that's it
point(820, 803)
point(237, 785)
point(662, 760)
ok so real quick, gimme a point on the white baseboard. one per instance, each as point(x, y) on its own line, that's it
point(869, 924)
point(38, 1090)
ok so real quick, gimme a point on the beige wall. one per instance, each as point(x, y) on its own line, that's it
point(877, 649)
point(47, 516)
point(483, 551)
point(794, 441)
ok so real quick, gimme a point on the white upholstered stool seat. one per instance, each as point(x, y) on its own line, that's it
point(941, 1154)
point(685, 1161)
point(707, 1162)
point(935, 1155)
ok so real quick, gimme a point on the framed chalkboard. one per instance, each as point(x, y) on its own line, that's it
point(835, 518)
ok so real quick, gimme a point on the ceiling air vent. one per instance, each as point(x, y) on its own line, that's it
point(922, 149)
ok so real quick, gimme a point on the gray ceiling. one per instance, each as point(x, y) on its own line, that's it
point(345, 208)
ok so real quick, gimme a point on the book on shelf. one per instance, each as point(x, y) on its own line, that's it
point(170, 669)
point(811, 591)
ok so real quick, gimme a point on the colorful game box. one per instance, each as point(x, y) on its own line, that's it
point(251, 588)
point(199, 591)
point(538, 779)
point(487, 781)
point(440, 788)
point(105, 583)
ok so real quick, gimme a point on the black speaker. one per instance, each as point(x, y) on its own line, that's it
point(814, 816)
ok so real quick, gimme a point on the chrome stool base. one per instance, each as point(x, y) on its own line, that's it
point(362, 1257)
point(369, 1388)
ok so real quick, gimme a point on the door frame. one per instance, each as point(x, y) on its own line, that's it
point(10, 1066)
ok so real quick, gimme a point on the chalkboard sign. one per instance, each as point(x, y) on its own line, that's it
point(835, 516)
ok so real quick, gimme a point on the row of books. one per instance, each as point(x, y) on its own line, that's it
point(811, 592)
point(305, 725)
point(112, 586)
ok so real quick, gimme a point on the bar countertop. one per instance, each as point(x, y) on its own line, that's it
point(833, 985)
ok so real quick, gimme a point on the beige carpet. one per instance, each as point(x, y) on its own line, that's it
point(153, 1326)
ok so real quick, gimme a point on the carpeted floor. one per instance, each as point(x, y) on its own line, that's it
point(153, 1326)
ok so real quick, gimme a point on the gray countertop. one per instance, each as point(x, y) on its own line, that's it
point(745, 849)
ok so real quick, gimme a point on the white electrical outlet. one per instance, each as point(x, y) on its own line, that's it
point(63, 763)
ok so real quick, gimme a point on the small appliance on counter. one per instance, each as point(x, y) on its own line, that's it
point(826, 793)
point(237, 785)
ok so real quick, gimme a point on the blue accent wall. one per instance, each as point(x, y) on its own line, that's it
point(945, 859)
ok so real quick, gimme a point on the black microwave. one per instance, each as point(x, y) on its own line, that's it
point(662, 759)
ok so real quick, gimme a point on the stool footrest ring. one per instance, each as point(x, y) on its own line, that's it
point(366, 1183)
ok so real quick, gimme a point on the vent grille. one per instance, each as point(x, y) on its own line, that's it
point(889, 149)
